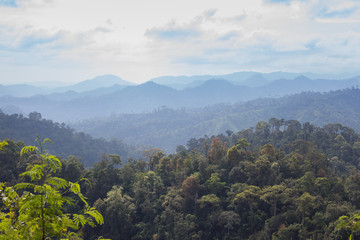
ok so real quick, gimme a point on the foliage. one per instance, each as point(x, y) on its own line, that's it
point(69, 142)
point(34, 208)
point(351, 224)
point(279, 180)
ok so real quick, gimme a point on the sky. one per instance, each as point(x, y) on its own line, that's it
point(73, 40)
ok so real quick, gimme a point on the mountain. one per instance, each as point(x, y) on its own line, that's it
point(166, 128)
point(256, 80)
point(245, 78)
point(19, 90)
point(67, 141)
point(104, 81)
point(181, 82)
point(103, 102)
point(93, 87)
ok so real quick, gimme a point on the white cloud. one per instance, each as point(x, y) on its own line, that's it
point(138, 40)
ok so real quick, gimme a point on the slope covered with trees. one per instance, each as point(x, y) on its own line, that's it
point(69, 142)
point(166, 128)
point(278, 180)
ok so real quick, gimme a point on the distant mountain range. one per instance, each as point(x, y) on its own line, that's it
point(168, 111)
point(249, 79)
point(110, 99)
point(110, 83)
point(100, 82)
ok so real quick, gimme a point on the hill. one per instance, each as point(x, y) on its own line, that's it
point(276, 180)
point(103, 81)
point(103, 102)
point(166, 128)
point(245, 78)
point(67, 140)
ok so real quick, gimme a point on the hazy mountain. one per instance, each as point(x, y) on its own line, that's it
point(256, 80)
point(104, 81)
point(246, 78)
point(19, 90)
point(166, 128)
point(73, 106)
point(94, 87)
point(181, 82)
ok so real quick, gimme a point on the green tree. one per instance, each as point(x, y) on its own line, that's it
point(214, 184)
point(351, 224)
point(304, 204)
point(272, 195)
point(34, 209)
point(118, 210)
point(228, 220)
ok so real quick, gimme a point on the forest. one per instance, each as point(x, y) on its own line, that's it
point(280, 179)
point(166, 128)
point(68, 141)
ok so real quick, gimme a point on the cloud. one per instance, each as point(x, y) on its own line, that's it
point(282, 38)
point(338, 11)
point(186, 31)
point(202, 37)
point(287, 2)
point(279, 1)
point(173, 32)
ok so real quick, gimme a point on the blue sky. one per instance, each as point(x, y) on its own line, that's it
point(70, 41)
point(8, 3)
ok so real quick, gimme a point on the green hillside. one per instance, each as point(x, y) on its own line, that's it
point(67, 141)
point(277, 180)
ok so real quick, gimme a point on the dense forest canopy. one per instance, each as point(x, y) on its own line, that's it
point(278, 180)
point(68, 141)
point(166, 128)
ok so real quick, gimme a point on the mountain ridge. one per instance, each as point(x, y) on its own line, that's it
point(73, 106)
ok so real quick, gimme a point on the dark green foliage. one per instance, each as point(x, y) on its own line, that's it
point(34, 207)
point(280, 180)
point(68, 141)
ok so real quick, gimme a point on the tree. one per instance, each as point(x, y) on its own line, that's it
point(217, 150)
point(118, 210)
point(272, 195)
point(351, 223)
point(249, 197)
point(210, 202)
point(304, 204)
point(190, 188)
point(154, 155)
point(228, 219)
point(352, 188)
point(34, 209)
point(35, 116)
point(214, 184)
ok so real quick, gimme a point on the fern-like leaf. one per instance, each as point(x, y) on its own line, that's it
point(2, 144)
point(75, 188)
point(54, 162)
point(79, 219)
point(57, 182)
point(24, 185)
point(28, 149)
point(95, 214)
point(46, 140)
point(86, 180)
point(35, 172)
